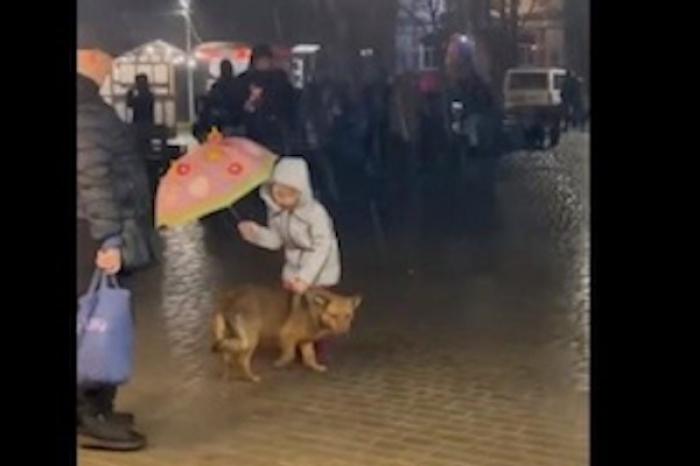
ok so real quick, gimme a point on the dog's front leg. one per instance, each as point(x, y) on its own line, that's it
point(308, 353)
point(288, 347)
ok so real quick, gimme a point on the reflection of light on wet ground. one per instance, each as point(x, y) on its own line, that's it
point(547, 197)
point(186, 300)
point(580, 317)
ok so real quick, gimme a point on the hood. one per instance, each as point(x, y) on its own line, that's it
point(292, 172)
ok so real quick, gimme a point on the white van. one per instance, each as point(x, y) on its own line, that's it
point(532, 100)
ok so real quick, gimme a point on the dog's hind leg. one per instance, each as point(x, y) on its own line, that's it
point(243, 347)
point(244, 359)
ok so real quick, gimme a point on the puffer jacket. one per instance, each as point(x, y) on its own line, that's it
point(306, 233)
point(113, 194)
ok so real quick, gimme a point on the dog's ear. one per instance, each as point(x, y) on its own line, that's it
point(317, 299)
point(356, 301)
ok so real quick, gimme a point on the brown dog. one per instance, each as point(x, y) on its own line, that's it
point(251, 315)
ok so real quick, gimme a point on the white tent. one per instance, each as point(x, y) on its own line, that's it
point(157, 60)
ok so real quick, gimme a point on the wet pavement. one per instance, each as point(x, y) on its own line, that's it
point(471, 347)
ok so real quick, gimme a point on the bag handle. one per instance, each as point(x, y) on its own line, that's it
point(101, 280)
point(96, 282)
point(110, 280)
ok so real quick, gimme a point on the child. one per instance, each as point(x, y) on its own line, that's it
point(298, 223)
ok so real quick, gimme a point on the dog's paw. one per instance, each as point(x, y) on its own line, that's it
point(319, 368)
point(281, 363)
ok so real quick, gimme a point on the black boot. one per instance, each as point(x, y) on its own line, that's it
point(126, 419)
point(103, 432)
point(100, 400)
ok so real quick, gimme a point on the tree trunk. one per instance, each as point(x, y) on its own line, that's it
point(514, 30)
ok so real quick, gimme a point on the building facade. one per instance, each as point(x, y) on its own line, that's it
point(416, 21)
point(541, 41)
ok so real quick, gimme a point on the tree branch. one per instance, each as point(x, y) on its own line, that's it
point(533, 5)
point(419, 21)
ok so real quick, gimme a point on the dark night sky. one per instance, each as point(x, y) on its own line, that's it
point(132, 22)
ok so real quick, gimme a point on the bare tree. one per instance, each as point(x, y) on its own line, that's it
point(413, 11)
point(349, 25)
point(433, 8)
point(497, 24)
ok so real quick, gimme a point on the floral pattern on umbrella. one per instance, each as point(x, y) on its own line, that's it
point(211, 177)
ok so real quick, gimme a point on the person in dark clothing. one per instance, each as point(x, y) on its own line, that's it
point(473, 111)
point(314, 127)
point(114, 227)
point(571, 100)
point(347, 140)
point(376, 96)
point(267, 102)
point(140, 100)
point(221, 101)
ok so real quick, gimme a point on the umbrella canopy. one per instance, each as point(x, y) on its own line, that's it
point(211, 177)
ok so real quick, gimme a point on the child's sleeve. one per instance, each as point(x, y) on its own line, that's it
point(322, 239)
point(267, 238)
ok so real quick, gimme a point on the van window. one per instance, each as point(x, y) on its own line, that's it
point(559, 81)
point(525, 81)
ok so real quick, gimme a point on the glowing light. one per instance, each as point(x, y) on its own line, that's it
point(306, 48)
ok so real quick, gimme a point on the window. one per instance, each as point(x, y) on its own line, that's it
point(559, 81)
point(126, 73)
point(528, 81)
point(428, 59)
point(161, 74)
point(158, 112)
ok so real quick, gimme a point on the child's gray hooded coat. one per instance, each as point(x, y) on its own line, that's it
point(306, 233)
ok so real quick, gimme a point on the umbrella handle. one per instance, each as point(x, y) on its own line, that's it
point(235, 214)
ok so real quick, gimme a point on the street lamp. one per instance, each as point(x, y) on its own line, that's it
point(186, 13)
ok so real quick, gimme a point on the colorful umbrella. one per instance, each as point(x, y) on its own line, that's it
point(211, 177)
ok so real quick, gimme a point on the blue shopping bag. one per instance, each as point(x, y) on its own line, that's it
point(105, 333)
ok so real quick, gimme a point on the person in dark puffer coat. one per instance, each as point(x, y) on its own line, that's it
point(114, 227)
point(114, 197)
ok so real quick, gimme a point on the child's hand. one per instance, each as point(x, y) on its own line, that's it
point(248, 230)
point(298, 286)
